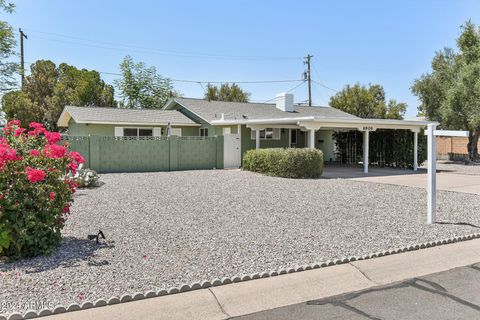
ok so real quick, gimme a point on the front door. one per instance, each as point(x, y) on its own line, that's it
point(232, 155)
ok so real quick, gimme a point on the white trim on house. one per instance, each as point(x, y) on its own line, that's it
point(318, 122)
point(141, 124)
point(118, 131)
point(176, 132)
point(156, 131)
point(276, 134)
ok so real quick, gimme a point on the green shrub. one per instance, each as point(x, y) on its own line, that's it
point(35, 196)
point(287, 163)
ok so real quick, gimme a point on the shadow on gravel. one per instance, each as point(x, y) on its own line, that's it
point(71, 252)
point(458, 224)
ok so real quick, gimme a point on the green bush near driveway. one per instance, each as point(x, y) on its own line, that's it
point(286, 163)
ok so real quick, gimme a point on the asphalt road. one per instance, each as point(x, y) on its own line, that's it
point(453, 294)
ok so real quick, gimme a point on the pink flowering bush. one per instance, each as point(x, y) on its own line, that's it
point(35, 193)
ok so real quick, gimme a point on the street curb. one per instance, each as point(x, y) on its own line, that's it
point(31, 314)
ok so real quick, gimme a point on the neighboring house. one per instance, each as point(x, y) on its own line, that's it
point(244, 125)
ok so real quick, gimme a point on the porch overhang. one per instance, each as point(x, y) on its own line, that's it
point(316, 123)
point(311, 124)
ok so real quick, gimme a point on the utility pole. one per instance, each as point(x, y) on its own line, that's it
point(22, 60)
point(308, 78)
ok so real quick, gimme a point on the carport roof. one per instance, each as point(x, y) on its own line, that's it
point(317, 122)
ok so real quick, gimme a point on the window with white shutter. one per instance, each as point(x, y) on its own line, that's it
point(276, 134)
point(177, 132)
point(118, 131)
point(267, 134)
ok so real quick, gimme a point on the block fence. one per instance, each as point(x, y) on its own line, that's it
point(453, 148)
point(131, 154)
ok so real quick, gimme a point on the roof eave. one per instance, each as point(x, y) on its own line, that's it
point(168, 104)
point(153, 124)
point(64, 118)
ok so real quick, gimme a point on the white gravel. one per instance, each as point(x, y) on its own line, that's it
point(166, 229)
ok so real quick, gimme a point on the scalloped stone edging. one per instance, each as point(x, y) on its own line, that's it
point(31, 314)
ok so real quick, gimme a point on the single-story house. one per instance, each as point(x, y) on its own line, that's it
point(244, 125)
point(84, 121)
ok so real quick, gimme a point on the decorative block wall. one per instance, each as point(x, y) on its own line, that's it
point(127, 154)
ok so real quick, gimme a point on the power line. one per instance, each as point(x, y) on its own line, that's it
point(217, 82)
point(251, 82)
point(289, 90)
point(114, 46)
point(206, 81)
point(321, 84)
point(324, 86)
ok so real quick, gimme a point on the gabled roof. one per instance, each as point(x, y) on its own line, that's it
point(212, 110)
point(95, 115)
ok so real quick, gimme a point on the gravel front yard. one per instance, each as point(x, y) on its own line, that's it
point(166, 229)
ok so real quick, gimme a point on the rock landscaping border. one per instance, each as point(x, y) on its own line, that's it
point(31, 314)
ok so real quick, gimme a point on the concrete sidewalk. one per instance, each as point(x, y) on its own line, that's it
point(233, 300)
point(445, 181)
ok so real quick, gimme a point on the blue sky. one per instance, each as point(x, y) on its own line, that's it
point(385, 42)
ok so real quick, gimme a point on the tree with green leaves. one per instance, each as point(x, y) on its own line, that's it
point(48, 89)
point(387, 147)
point(450, 93)
point(226, 92)
point(142, 87)
point(367, 102)
point(7, 49)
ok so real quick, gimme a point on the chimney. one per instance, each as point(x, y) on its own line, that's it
point(284, 102)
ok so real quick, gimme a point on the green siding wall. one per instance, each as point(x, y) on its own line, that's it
point(81, 129)
point(327, 145)
point(248, 143)
point(108, 130)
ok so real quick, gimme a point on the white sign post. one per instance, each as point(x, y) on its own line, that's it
point(432, 166)
point(431, 175)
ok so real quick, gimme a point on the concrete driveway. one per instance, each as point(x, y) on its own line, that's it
point(445, 181)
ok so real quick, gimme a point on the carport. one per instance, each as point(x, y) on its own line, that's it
point(312, 124)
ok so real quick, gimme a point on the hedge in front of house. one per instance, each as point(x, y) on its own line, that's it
point(286, 163)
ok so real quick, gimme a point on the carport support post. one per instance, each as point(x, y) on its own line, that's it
point(257, 139)
point(432, 178)
point(415, 151)
point(366, 140)
point(311, 138)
